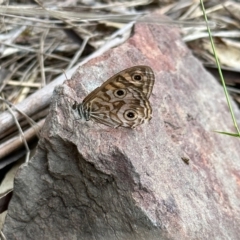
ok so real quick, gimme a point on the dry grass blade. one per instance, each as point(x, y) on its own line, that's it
point(29, 120)
point(21, 133)
point(3, 236)
point(15, 142)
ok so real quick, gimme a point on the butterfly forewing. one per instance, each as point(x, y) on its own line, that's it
point(126, 79)
point(141, 77)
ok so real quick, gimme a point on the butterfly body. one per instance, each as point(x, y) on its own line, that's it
point(122, 100)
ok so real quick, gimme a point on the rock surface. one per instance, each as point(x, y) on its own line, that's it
point(89, 181)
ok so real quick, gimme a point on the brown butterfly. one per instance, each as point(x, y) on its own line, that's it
point(122, 100)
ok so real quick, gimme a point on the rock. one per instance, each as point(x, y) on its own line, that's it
point(171, 178)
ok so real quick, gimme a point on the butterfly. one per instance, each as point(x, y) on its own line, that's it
point(122, 100)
